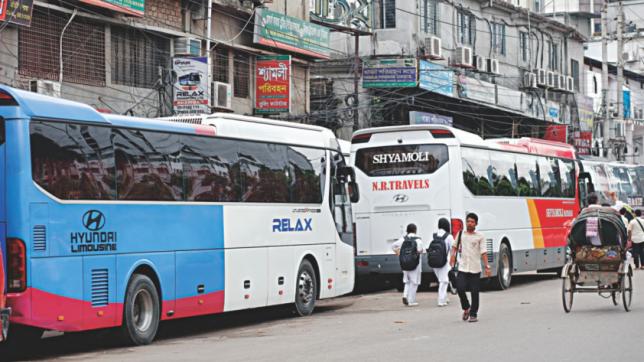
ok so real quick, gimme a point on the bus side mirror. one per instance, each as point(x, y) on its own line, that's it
point(345, 173)
point(354, 192)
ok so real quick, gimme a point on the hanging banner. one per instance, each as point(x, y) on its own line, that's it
point(191, 89)
point(436, 78)
point(16, 11)
point(583, 138)
point(477, 90)
point(131, 7)
point(556, 132)
point(351, 14)
point(389, 73)
point(285, 32)
point(273, 84)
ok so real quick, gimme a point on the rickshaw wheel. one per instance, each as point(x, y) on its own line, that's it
point(627, 291)
point(567, 292)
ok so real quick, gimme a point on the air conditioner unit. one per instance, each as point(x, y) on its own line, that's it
point(629, 57)
point(463, 57)
point(570, 84)
point(551, 79)
point(479, 63)
point(542, 78)
point(187, 46)
point(221, 95)
point(562, 82)
point(492, 66)
point(46, 87)
point(530, 80)
point(433, 47)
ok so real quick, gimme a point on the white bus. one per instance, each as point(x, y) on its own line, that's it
point(523, 191)
point(626, 180)
point(115, 221)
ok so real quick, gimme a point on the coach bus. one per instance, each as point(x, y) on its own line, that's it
point(626, 180)
point(122, 221)
point(523, 190)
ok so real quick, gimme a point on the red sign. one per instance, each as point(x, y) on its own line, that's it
point(583, 142)
point(400, 185)
point(3, 9)
point(556, 132)
point(273, 84)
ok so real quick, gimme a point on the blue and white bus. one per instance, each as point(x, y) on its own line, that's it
point(121, 221)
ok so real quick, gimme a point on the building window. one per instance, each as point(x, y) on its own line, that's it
point(241, 66)
point(83, 49)
point(385, 14)
point(574, 73)
point(220, 65)
point(524, 43)
point(554, 56)
point(498, 38)
point(137, 57)
point(537, 6)
point(429, 16)
point(466, 25)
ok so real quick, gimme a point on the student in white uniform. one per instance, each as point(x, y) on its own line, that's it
point(442, 274)
point(411, 278)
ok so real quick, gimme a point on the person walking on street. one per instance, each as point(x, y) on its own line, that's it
point(442, 235)
point(473, 251)
point(636, 237)
point(409, 248)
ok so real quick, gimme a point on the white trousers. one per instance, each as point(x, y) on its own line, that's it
point(410, 292)
point(442, 292)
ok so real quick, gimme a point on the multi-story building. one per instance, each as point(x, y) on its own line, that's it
point(491, 67)
point(127, 57)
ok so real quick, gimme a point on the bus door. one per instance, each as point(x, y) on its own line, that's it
point(407, 183)
point(4, 315)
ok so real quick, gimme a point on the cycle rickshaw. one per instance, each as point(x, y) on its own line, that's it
point(598, 262)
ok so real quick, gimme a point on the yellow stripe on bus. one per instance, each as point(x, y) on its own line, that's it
point(537, 234)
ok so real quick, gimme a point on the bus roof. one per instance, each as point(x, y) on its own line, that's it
point(34, 105)
point(445, 133)
point(264, 129)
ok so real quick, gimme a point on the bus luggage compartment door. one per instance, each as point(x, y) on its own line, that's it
point(387, 227)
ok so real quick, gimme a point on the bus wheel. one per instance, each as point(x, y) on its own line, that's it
point(141, 311)
point(305, 289)
point(503, 276)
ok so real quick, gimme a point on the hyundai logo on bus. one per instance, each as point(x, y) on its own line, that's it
point(93, 239)
point(401, 198)
point(288, 225)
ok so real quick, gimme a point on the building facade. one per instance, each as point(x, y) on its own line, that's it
point(123, 58)
point(491, 67)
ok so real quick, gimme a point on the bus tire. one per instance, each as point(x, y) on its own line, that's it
point(141, 311)
point(503, 277)
point(305, 289)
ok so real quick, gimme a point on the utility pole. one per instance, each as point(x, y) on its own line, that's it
point(356, 81)
point(620, 68)
point(606, 121)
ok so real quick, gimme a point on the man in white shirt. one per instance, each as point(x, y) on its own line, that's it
point(636, 237)
point(411, 278)
point(473, 251)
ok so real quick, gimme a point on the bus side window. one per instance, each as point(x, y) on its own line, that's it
point(339, 201)
point(477, 171)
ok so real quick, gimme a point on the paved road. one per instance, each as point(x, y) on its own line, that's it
point(525, 323)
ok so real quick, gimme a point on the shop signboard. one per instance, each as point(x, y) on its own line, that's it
point(273, 84)
point(350, 14)
point(191, 89)
point(130, 7)
point(390, 73)
point(436, 78)
point(292, 34)
point(18, 12)
point(416, 117)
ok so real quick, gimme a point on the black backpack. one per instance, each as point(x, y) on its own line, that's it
point(437, 252)
point(409, 256)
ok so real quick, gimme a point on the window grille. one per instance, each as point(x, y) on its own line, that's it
point(242, 77)
point(137, 56)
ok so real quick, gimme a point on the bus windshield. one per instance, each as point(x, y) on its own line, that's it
point(401, 160)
